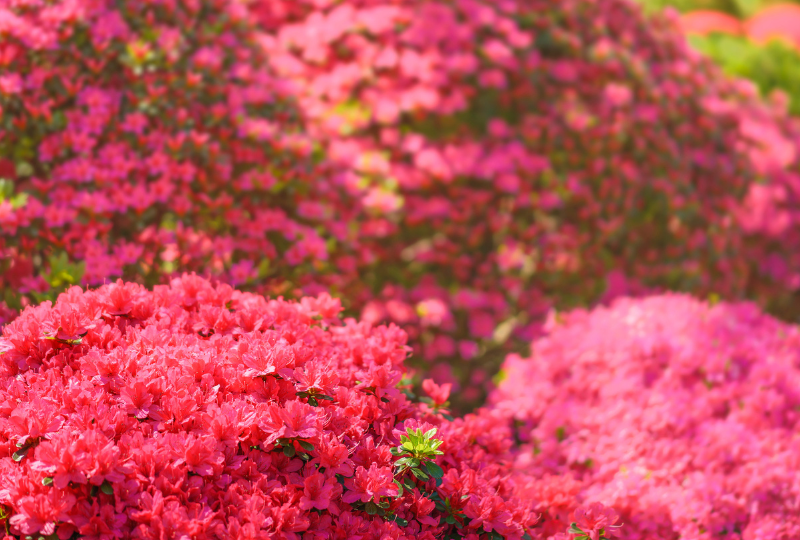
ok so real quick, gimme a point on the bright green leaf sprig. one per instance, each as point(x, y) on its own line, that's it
point(583, 535)
point(417, 451)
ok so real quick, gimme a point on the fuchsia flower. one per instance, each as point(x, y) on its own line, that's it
point(317, 492)
point(370, 484)
point(296, 421)
point(489, 513)
point(138, 399)
point(333, 456)
point(316, 378)
point(439, 394)
point(40, 513)
point(263, 360)
point(596, 519)
point(64, 460)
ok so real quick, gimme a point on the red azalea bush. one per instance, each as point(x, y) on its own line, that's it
point(682, 415)
point(143, 138)
point(520, 154)
point(197, 411)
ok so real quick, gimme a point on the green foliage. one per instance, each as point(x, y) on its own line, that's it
point(737, 8)
point(417, 451)
point(63, 273)
point(774, 66)
point(17, 200)
point(728, 6)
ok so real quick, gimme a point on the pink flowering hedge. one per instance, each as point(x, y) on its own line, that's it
point(518, 155)
point(140, 139)
point(197, 411)
point(680, 414)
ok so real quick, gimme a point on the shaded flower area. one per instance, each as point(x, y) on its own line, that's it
point(198, 411)
point(680, 414)
point(520, 155)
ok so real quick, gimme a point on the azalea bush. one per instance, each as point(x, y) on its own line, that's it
point(195, 410)
point(142, 139)
point(681, 414)
point(457, 167)
point(517, 156)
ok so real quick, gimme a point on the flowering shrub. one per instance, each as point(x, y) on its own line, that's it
point(197, 411)
point(520, 154)
point(459, 166)
point(142, 138)
point(680, 414)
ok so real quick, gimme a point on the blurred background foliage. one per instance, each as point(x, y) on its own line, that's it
point(737, 8)
point(755, 39)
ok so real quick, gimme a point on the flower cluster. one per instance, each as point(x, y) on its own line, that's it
point(681, 414)
point(198, 411)
point(144, 138)
point(515, 155)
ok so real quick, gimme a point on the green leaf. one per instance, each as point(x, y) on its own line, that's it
point(573, 529)
point(371, 508)
point(306, 445)
point(288, 451)
point(450, 520)
point(399, 488)
point(430, 433)
point(21, 453)
point(419, 474)
point(434, 470)
point(48, 480)
point(396, 451)
point(107, 488)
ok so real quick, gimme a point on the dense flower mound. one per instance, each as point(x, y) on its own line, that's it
point(523, 154)
point(143, 138)
point(197, 411)
point(682, 415)
point(770, 214)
